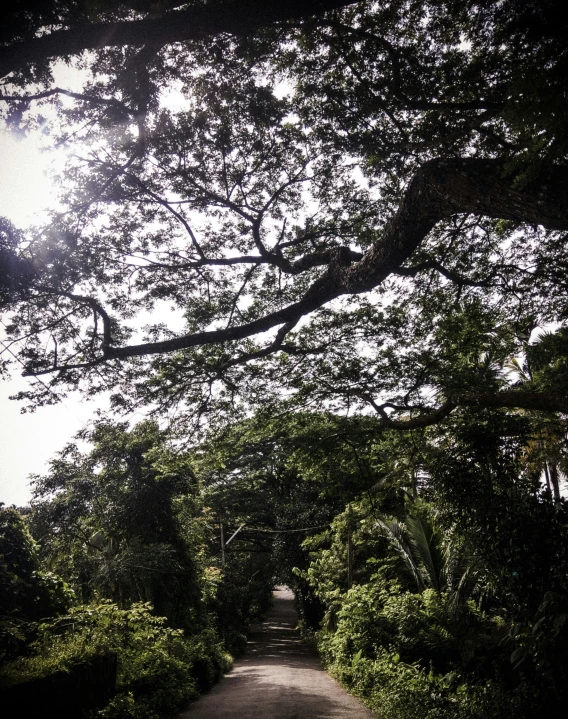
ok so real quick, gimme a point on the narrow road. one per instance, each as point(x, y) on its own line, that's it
point(278, 678)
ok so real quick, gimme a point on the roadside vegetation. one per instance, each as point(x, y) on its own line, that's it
point(437, 586)
point(119, 605)
point(429, 566)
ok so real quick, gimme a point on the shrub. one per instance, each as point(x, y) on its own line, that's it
point(159, 669)
point(400, 653)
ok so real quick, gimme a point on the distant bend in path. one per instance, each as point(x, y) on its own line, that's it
point(278, 678)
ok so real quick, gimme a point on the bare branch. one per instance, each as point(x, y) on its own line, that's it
point(539, 401)
point(259, 354)
point(170, 209)
point(110, 102)
point(94, 305)
point(241, 289)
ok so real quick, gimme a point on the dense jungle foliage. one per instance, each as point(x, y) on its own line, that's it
point(436, 584)
point(117, 562)
point(324, 244)
point(430, 567)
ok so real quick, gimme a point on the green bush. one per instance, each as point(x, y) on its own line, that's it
point(415, 626)
point(159, 669)
point(397, 690)
point(405, 655)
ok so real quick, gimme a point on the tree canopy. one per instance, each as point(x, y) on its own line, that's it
point(354, 204)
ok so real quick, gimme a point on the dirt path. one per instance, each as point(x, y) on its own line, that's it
point(278, 678)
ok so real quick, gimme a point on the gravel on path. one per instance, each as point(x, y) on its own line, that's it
point(279, 677)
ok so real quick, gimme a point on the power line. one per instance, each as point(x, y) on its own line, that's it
point(282, 531)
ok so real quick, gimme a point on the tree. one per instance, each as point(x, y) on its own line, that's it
point(27, 594)
point(120, 521)
point(457, 598)
point(278, 480)
point(401, 158)
point(80, 26)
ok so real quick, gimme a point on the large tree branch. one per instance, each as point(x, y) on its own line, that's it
point(534, 401)
point(439, 190)
point(235, 17)
point(442, 188)
point(309, 261)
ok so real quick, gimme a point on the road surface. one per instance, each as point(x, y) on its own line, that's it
point(278, 678)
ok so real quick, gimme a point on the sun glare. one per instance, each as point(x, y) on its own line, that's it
point(28, 441)
point(25, 188)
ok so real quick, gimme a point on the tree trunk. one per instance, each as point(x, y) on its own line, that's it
point(235, 17)
point(554, 480)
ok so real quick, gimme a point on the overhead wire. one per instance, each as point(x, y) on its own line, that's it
point(282, 531)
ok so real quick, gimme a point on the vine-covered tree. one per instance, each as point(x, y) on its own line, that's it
point(121, 521)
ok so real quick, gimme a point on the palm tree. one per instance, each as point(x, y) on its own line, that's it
point(434, 561)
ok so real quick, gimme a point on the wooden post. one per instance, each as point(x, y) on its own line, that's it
point(349, 561)
point(349, 547)
point(222, 544)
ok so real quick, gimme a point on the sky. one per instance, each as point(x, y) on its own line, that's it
point(28, 441)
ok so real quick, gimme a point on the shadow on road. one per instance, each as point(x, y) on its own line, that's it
point(278, 678)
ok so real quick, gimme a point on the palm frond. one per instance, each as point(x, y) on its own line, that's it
point(422, 539)
point(395, 532)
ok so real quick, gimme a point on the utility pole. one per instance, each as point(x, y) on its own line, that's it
point(349, 547)
point(222, 543)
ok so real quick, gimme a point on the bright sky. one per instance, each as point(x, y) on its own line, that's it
point(28, 441)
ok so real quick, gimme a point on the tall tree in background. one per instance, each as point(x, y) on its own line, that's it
point(120, 521)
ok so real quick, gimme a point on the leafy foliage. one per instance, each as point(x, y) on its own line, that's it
point(159, 669)
point(276, 195)
point(455, 604)
point(357, 212)
point(28, 594)
point(120, 521)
